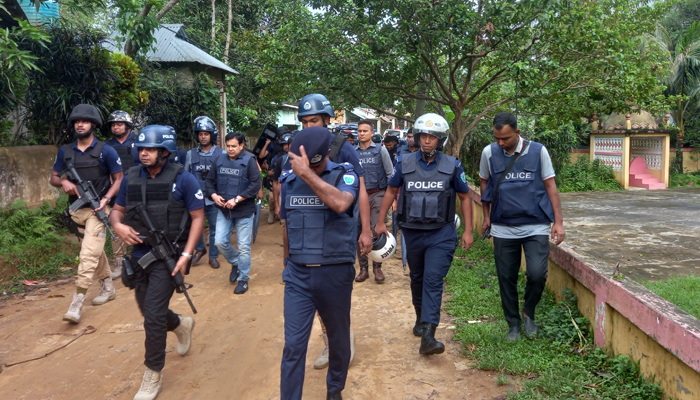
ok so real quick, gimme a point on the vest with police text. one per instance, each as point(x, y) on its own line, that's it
point(165, 212)
point(371, 161)
point(200, 165)
point(427, 199)
point(124, 150)
point(88, 167)
point(316, 234)
point(522, 198)
point(232, 175)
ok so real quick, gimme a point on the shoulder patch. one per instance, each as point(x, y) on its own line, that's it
point(349, 179)
point(119, 161)
point(464, 177)
point(174, 187)
point(199, 195)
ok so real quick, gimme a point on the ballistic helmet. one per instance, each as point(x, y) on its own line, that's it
point(282, 130)
point(286, 138)
point(86, 112)
point(432, 124)
point(458, 222)
point(205, 124)
point(377, 138)
point(383, 247)
point(121, 116)
point(160, 136)
point(313, 104)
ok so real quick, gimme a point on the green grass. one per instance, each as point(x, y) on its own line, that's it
point(586, 176)
point(684, 180)
point(561, 363)
point(683, 291)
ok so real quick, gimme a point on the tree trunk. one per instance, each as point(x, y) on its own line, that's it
point(679, 139)
point(213, 23)
point(228, 31)
point(458, 134)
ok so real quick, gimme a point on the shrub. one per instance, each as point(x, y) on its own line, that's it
point(584, 176)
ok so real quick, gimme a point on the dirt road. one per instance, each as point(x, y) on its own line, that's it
point(237, 343)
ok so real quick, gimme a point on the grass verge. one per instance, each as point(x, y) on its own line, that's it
point(561, 363)
point(684, 180)
point(683, 291)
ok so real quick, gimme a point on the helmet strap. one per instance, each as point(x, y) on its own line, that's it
point(83, 135)
point(158, 160)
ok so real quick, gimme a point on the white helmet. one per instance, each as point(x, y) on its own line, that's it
point(435, 125)
point(458, 222)
point(383, 247)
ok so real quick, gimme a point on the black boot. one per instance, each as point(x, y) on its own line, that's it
point(428, 344)
point(418, 327)
point(334, 396)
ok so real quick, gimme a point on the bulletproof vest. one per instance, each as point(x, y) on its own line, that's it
point(232, 175)
point(372, 164)
point(165, 212)
point(403, 150)
point(88, 167)
point(316, 234)
point(201, 165)
point(427, 199)
point(124, 150)
point(522, 198)
point(173, 158)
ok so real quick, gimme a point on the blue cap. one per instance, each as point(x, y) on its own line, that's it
point(315, 142)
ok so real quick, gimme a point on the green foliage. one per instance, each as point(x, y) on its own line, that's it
point(176, 101)
point(559, 141)
point(74, 69)
point(560, 363)
point(683, 291)
point(584, 176)
point(124, 93)
point(684, 180)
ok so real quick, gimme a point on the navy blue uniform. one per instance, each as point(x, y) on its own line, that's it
point(318, 276)
point(426, 214)
point(128, 153)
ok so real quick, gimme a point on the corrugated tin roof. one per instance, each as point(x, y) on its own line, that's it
point(172, 46)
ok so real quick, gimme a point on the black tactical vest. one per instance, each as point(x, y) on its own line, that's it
point(165, 212)
point(125, 151)
point(427, 199)
point(88, 167)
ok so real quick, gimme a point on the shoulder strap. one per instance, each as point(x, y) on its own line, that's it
point(68, 153)
point(509, 167)
point(336, 145)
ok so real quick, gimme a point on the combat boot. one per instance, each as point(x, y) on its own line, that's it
point(73, 314)
point(418, 327)
point(271, 217)
point(107, 292)
point(117, 273)
point(322, 361)
point(363, 275)
point(184, 335)
point(378, 274)
point(428, 344)
point(334, 396)
point(150, 386)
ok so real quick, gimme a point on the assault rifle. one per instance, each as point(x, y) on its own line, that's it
point(89, 196)
point(165, 250)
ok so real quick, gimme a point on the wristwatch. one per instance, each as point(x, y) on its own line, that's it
point(108, 198)
point(235, 200)
point(189, 256)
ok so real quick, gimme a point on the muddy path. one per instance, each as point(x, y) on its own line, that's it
point(237, 342)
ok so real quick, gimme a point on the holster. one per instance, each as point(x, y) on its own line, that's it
point(73, 227)
point(128, 273)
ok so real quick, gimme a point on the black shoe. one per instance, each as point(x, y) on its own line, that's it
point(197, 257)
point(334, 396)
point(214, 263)
point(234, 273)
point(428, 344)
point(241, 288)
point(531, 328)
point(513, 333)
point(418, 327)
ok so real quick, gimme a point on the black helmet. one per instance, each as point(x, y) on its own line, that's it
point(161, 136)
point(282, 130)
point(86, 112)
point(313, 104)
point(377, 138)
point(205, 124)
point(121, 116)
point(294, 132)
point(286, 138)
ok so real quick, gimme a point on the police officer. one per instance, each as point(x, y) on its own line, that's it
point(178, 156)
point(429, 182)
point(520, 207)
point(198, 162)
point(276, 168)
point(99, 163)
point(121, 124)
point(391, 143)
point(233, 184)
point(409, 147)
point(320, 209)
point(378, 167)
point(174, 201)
point(316, 110)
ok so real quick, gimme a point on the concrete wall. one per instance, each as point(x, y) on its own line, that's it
point(24, 174)
point(689, 165)
point(627, 318)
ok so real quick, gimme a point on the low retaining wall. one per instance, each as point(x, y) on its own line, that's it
point(627, 317)
point(689, 164)
point(25, 173)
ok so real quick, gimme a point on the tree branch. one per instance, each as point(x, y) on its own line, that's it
point(167, 7)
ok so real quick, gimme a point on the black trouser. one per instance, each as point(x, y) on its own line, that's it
point(507, 253)
point(154, 288)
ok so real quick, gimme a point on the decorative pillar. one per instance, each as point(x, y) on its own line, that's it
point(626, 153)
point(628, 122)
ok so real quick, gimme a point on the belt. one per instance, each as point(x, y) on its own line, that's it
point(371, 191)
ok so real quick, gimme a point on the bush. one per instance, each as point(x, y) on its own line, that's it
point(124, 93)
point(559, 142)
point(584, 176)
point(683, 180)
